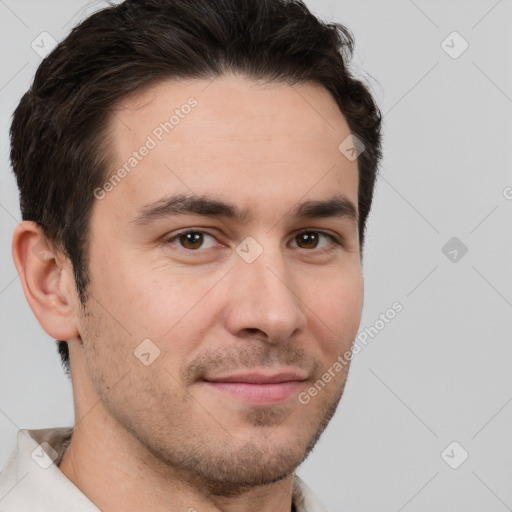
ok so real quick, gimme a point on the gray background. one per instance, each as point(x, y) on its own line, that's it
point(440, 370)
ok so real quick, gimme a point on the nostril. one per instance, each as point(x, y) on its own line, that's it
point(254, 330)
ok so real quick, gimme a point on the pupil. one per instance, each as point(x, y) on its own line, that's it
point(309, 239)
point(193, 239)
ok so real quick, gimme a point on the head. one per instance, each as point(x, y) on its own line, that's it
point(182, 162)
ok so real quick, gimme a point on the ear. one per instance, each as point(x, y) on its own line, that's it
point(47, 280)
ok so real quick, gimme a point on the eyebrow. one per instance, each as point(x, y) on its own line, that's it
point(183, 204)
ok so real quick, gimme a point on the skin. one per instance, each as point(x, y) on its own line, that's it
point(157, 437)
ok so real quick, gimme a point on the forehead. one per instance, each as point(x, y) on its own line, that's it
point(231, 137)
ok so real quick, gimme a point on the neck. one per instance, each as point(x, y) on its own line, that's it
point(116, 473)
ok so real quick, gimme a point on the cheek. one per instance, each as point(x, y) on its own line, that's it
point(337, 311)
point(159, 302)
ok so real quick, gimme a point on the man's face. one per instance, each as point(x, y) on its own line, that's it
point(214, 303)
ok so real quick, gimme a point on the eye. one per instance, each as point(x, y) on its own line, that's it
point(312, 240)
point(193, 240)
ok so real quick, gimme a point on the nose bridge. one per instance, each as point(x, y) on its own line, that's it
point(265, 297)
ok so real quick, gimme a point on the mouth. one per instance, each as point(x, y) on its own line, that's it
point(258, 388)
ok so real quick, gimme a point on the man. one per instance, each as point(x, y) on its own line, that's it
point(195, 178)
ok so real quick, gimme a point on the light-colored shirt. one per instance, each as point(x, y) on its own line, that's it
point(32, 482)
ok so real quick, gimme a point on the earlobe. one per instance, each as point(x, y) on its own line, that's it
point(47, 281)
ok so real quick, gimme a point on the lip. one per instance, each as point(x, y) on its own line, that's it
point(258, 388)
point(258, 394)
point(258, 378)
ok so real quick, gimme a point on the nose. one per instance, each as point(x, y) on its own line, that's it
point(264, 300)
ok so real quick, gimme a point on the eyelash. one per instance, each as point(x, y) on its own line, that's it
point(334, 240)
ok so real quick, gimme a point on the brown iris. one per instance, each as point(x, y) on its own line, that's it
point(307, 240)
point(191, 240)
